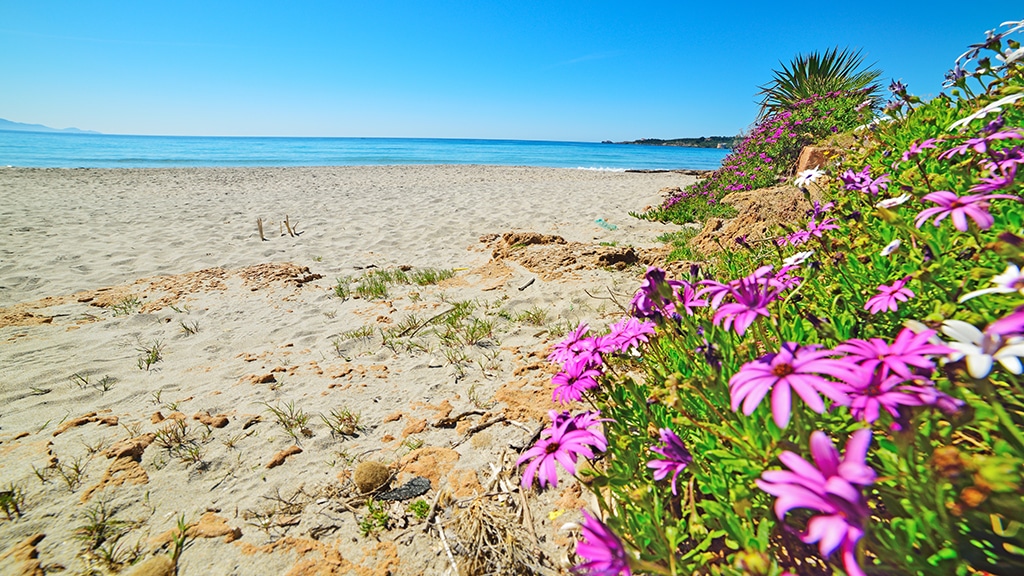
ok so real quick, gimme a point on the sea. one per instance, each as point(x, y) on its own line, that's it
point(73, 150)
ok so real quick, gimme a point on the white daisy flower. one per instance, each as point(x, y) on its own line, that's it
point(979, 349)
point(893, 202)
point(807, 176)
point(993, 107)
point(1008, 282)
point(798, 258)
point(891, 247)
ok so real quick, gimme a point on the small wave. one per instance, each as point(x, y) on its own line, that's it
point(601, 169)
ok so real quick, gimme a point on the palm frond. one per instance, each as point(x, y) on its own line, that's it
point(817, 74)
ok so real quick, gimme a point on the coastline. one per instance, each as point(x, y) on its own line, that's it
point(269, 332)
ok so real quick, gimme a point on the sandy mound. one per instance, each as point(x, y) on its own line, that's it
point(760, 214)
point(552, 257)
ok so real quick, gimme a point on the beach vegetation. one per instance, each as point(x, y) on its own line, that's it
point(149, 355)
point(377, 518)
point(372, 286)
point(102, 536)
point(845, 402)
point(419, 508)
point(126, 306)
point(534, 316)
point(83, 381)
point(72, 472)
point(808, 75)
point(343, 288)
point(429, 276)
point(292, 419)
point(189, 328)
point(12, 501)
point(342, 422)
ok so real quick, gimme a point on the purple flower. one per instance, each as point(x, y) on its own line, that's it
point(907, 355)
point(675, 457)
point(871, 391)
point(563, 442)
point(815, 229)
point(751, 300)
point(601, 549)
point(997, 180)
point(1011, 324)
point(888, 296)
point(576, 377)
point(862, 181)
point(628, 333)
point(981, 145)
point(916, 148)
point(573, 346)
point(959, 208)
point(792, 368)
point(832, 488)
point(657, 296)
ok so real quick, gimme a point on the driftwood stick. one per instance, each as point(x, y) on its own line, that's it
point(259, 228)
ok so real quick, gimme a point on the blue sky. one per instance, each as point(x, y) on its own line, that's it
point(571, 70)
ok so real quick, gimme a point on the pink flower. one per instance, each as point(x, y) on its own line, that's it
point(908, 353)
point(888, 296)
point(573, 346)
point(916, 148)
point(628, 333)
point(674, 457)
point(570, 383)
point(751, 300)
point(601, 548)
point(871, 391)
point(792, 368)
point(568, 438)
point(832, 488)
point(959, 209)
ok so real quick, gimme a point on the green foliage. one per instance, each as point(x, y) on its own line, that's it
point(377, 518)
point(767, 157)
point(810, 75)
point(419, 508)
point(949, 496)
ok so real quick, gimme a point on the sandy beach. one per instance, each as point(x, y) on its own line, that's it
point(160, 362)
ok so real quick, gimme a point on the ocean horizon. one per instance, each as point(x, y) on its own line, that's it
point(84, 150)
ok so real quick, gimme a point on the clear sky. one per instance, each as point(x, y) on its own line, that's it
point(519, 69)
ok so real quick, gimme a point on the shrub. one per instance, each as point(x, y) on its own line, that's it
point(852, 403)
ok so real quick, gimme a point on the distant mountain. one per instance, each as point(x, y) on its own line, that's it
point(22, 127)
point(702, 142)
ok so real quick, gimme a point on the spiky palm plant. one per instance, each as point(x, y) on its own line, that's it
point(815, 73)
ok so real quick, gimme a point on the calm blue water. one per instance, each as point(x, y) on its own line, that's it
point(59, 150)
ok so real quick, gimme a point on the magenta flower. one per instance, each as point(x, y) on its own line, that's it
point(832, 488)
point(654, 297)
point(916, 148)
point(627, 333)
point(817, 229)
point(871, 392)
point(981, 145)
point(601, 548)
point(889, 296)
point(568, 438)
point(959, 209)
point(572, 345)
point(674, 457)
point(906, 356)
point(792, 368)
point(751, 300)
point(576, 377)
point(862, 181)
point(1010, 325)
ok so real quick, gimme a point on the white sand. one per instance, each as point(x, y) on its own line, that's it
point(84, 238)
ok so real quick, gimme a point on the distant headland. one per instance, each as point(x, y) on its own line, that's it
point(702, 142)
point(22, 127)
